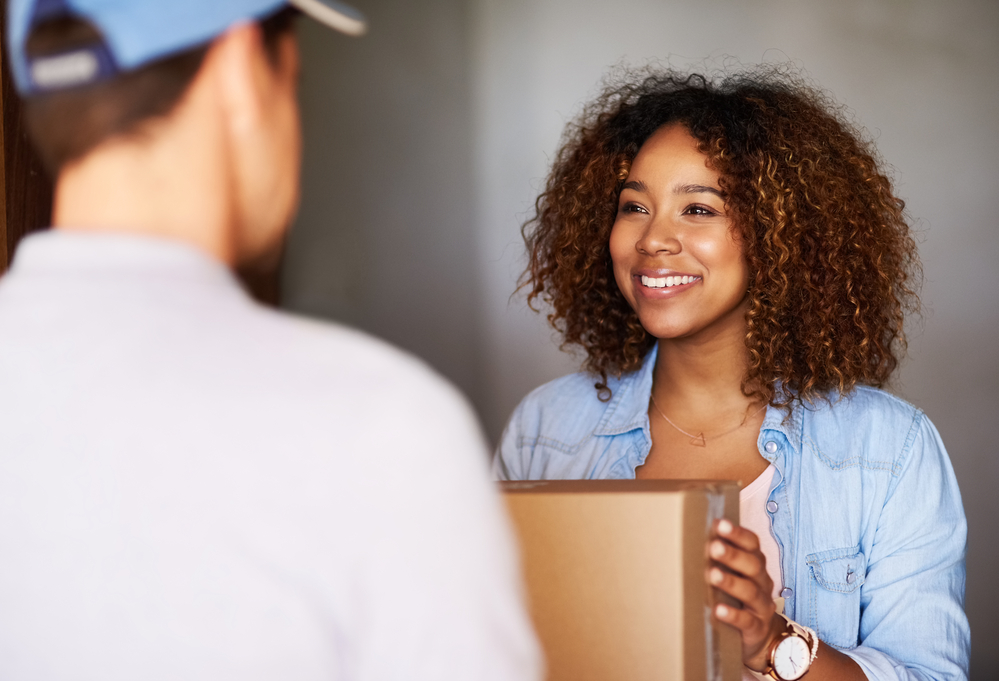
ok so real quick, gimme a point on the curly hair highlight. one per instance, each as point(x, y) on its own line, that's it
point(831, 258)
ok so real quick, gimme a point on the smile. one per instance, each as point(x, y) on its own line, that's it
point(667, 282)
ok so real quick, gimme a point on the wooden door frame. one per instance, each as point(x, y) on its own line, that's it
point(25, 186)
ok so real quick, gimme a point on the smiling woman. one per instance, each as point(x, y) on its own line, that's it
point(676, 259)
point(734, 262)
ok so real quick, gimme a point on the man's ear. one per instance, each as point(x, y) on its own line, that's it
point(234, 62)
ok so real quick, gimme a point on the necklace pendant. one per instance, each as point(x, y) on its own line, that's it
point(699, 440)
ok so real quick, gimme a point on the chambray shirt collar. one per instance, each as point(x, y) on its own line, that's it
point(775, 424)
point(629, 407)
point(629, 410)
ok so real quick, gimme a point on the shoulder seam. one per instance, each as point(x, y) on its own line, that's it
point(910, 439)
point(888, 395)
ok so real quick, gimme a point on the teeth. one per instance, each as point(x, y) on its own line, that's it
point(666, 282)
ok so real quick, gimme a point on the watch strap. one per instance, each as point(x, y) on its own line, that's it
point(808, 634)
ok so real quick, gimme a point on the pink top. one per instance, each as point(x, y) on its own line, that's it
point(754, 516)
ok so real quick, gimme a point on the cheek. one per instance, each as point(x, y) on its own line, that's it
point(622, 246)
point(736, 255)
point(622, 249)
point(719, 252)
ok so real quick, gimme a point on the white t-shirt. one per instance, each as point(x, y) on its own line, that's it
point(753, 516)
point(194, 487)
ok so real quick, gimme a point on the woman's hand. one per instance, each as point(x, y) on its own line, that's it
point(739, 569)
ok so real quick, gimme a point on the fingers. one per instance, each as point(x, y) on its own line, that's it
point(740, 570)
point(753, 596)
point(737, 536)
point(757, 634)
point(741, 619)
point(743, 557)
point(755, 629)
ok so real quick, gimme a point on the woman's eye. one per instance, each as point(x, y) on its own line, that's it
point(632, 208)
point(698, 210)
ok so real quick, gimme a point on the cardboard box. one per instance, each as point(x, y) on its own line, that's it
point(615, 572)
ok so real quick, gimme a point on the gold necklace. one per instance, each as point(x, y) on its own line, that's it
point(699, 440)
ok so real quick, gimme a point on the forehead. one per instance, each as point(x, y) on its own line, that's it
point(671, 153)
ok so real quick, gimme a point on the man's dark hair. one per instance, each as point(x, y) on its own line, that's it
point(66, 125)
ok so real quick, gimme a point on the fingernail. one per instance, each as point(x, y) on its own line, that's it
point(717, 549)
point(716, 576)
point(721, 611)
point(724, 527)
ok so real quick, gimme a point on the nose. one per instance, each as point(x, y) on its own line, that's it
point(659, 237)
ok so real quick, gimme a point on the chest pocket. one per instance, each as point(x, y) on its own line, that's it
point(834, 595)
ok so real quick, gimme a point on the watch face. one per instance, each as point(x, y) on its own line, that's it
point(792, 658)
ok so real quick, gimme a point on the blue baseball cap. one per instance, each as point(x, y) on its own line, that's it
point(138, 32)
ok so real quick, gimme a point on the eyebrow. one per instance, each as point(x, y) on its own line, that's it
point(639, 186)
point(697, 189)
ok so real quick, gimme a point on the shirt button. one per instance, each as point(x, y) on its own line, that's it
point(771, 447)
point(786, 592)
point(850, 576)
point(772, 506)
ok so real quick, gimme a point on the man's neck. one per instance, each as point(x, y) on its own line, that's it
point(170, 181)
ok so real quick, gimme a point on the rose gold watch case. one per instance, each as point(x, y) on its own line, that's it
point(786, 635)
point(786, 647)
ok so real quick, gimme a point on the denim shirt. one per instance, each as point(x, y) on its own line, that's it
point(864, 507)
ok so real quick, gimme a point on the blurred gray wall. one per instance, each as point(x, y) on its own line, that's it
point(427, 141)
point(385, 239)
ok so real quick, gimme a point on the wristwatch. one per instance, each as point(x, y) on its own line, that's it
point(790, 654)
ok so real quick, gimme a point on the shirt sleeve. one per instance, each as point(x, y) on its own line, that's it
point(440, 586)
point(510, 462)
point(913, 624)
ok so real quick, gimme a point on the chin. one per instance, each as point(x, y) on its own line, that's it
point(666, 330)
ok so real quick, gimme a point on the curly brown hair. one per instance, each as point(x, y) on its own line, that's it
point(832, 262)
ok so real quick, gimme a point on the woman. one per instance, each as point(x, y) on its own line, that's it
point(733, 261)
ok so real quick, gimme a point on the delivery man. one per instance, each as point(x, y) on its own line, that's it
point(192, 486)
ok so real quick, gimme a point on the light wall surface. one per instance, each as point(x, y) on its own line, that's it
point(428, 141)
point(385, 238)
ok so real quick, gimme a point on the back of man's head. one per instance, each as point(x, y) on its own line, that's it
point(91, 70)
point(66, 124)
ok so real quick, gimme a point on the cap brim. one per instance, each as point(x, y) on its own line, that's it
point(335, 14)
